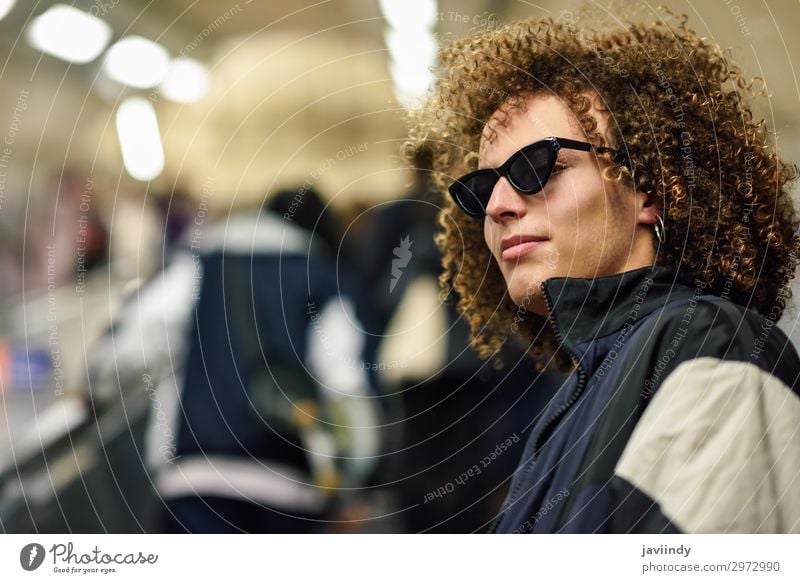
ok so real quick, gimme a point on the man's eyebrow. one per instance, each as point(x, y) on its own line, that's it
point(480, 156)
point(482, 163)
point(489, 131)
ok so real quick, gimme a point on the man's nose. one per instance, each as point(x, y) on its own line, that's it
point(505, 203)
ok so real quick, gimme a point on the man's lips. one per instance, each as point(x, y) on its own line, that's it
point(515, 247)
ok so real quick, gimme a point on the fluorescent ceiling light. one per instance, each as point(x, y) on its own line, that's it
point(415, 80)
point(137, 62)
point(5, 7)
point(69, 34)
point(140, 139)
point(409, 14)
point(411, 46)
point(408, 100)
point(186, 82)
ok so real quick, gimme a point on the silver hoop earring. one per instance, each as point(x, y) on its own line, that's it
point(658, 227)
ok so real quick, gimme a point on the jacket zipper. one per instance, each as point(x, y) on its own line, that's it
point(553, 420)
point(582, 377)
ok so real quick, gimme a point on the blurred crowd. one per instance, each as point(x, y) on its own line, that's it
point(300, 370)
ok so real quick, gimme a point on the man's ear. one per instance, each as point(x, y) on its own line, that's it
point(646, 208)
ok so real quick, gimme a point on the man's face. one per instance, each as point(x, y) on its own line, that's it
point(587, 226)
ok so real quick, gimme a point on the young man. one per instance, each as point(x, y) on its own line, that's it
point(629, 222)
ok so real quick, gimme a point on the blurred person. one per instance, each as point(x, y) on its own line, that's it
point(68, 237)
point(621, 210)
point(136, 244)
point(262, 418)
point(178, 210)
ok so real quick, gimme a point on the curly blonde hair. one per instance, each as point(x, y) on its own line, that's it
point(674, 104)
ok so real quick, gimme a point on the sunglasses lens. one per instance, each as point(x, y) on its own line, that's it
point(531, 169)
point(472, 193)
point(528, 172)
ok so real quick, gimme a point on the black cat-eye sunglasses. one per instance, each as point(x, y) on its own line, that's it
point(528, 171)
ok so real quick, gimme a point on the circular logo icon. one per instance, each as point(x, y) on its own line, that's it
point(31, 556)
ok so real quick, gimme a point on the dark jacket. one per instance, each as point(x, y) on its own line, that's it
point(682, 415)
point(252, 294)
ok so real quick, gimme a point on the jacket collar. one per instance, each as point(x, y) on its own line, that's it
point(584, 309)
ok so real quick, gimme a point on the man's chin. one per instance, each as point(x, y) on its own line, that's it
point(526, 296)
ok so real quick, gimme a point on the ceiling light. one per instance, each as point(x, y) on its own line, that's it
point(411, 46)
point(186, 81)
point(69, 34)
point(137, 62)
point(140, 139)
point(414, 80)
point(409, 14)
point(5, 7)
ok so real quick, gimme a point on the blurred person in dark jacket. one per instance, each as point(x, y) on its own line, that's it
point(263, 415)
